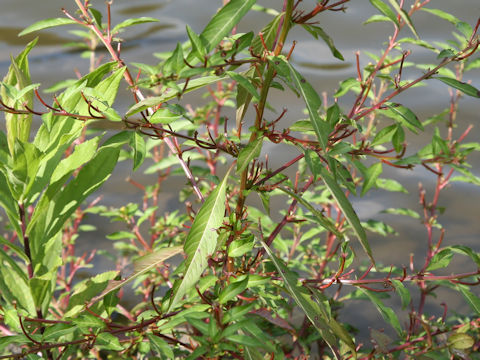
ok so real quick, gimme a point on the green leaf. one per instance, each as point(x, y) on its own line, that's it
point(387, 313)
point(440, 260)
point(224, 21)
point(201, 240)
point(239, 247)
point(311, 98)
point(321, 219)
point(172, 93)
point(404, 116)
point(248, 153)
point(53, 333)
point(459, 85)
point(232, 290)
point(371, 176)
point(86, 290)
point(384, 135)
point(376, 18)
point(471, 298)
point(269, 33)
point(81, 154)
point(403, 292)
point(347, 210)
point(198, 47)
point(404, 15)
point(141, 266)
point(108, 341)
point(391, 185)
point(460, 341)
point(346, 85)
point(45, 24)
point(161, 346)
point(442, 14)
point(139, 149)
point(175, 63)
point(385, 10)
point(14, 286)
point(303, 300)
point(97, 16)
point(18, 76)
point(132, 22)
point(317, 31)
point(402, 211)
point(55, 207)
point(245, 83)
point(459, 249)
point(14, 248)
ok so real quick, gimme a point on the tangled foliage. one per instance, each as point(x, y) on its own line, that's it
point(232, 276)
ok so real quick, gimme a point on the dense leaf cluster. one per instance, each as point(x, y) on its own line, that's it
point(252, 282)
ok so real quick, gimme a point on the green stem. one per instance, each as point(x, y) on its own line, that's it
point(262, 102)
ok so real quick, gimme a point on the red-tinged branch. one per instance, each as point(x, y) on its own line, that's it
point(107, 41)
point(411, 278)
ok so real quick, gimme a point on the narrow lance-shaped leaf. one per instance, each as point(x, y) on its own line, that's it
point(404, 15)
point(45, 24)
point(201, 240)
point(172, 93)
point(371, 176)
point(141, 266)
point(385, 10)
point(18, 76)
point(196, 42)
point(471, 298)
point(247, 85)
point(138, 144)
point(317, 31)
point(387, 313)
point(303, 299)
point(132, 22)
point(347, 210)
point(224, 21)
point(467, 89)
point(404, 116)
point(312, 101)
point(247, 154)
point(319, 217)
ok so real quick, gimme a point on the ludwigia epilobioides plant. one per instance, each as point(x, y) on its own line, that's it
point(255, 281)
